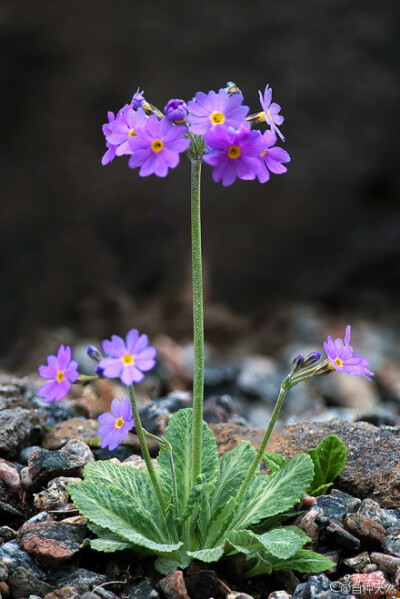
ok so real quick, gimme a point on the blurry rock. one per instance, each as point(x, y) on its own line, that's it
point(352, 503)
point(219, 408)
point(202, 584)
point(122, 452)
point(23, 584)
point(389, 378)
point(9, 474)
point(97, 397)
point(279, 595)
point(64, 593)
point(260, 376)
point(55, 411)
point(173, 586)
point(228, 436)
point(26, 452)
point(70, 576)
point(371, 509)
point(7, 534)
point(51, 543)
point(56, 494)
point(365, 529)
point(45, 465)
point(5, 590)
point(334, 535)
point(156, 415)
point(173, 361)
point(138, 463)
point(373, 464)
point(387, 563)
point(14, 556)
point(313, 588)
point(77, 428)
point(259, 413)
point(390, 518)
point(353, 392)
point(358, 562)
point(391, 544)
point(143, 590)
point(18, 428)
point(310, 526)
point(219, 374)
point(369, 585)
point(3, 571)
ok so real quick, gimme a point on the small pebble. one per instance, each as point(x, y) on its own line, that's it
point(358, 562)
point(371, 509)
point(352, 503)
point(364, 528)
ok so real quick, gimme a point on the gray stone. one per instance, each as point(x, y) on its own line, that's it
point(391, 544)
point(45, 464)
point(143, 590)
point(260, 377)
point(358, 562)
point(19, 427)
point(311, 589)
point(352, 503)
point(390, 518)
point(371, 509)
point(332, 508)
point(3, 570)
point(22, 583)
point(14, 556)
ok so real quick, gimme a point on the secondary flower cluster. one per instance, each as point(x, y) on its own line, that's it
point(129, 359)
point(154, 139)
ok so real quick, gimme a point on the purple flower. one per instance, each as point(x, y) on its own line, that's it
point(176, 111)
point(123, 128)
point(116, 425)
point(272, 157)
point(343, 359)
point(157, 146)
point(209, 110)
point(60, 371)
point(128, 360)
point(271, 111)
point(233, 153)
point(138, 99)
point(107, 130)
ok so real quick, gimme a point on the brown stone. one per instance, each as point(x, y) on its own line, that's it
point(373, 465)
point(365, 528)
point(387, 563)
point(51, 543)
point(84, 429)
point(9, 475)
point(309, 525)
point(173, 586)
point(64, 593)
point(4, 590)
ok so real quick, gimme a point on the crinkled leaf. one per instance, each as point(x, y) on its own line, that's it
point(208, 555)
point(109, 545)
point(274, 461)
point(302, 561)
point(329, 458)
point(201, 486)
point(269, 495)
point(233, 467)
point(280, 542)
point(166, 565)
point(179, 434)
point(111, 508)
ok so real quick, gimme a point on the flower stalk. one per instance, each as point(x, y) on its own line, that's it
point(198, 319)
point(145, 452)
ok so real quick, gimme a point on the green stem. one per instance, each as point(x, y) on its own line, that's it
point(282, 394)
point(198, 324)
point(145, 452)
point(173, 481)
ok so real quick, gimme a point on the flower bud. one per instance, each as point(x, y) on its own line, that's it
point(324, 369)
point(311, 359)
point(138, 99)
point(176, 111)
point(94, 353)
point(297, 362)
point(100, 371)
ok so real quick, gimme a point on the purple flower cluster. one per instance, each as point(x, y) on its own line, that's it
point(344, 359)
point(116, 424)
point(154, 140)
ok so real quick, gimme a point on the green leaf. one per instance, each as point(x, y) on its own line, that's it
point(329, 458)
point(167, 565)
point(109, 545)
point(269, 495)
point(321, 490)
point(179, 434)
point(302, 561)
point(274, 461)
point(233, 467)
point(280, 542)
point(122, 514)
point(208, 555)
point(201, 486)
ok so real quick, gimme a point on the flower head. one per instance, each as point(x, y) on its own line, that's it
point(209, 110)
point(176, 111)
point(271, 111)
point(60, 371)
point(127, 359)
point(343, 358)
point(108, 129)
point(157, 146)
point(233, 153)
point(123, 128)
point(272, 157)
point(116, 424)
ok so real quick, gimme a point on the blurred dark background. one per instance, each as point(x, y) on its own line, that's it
point(98, 249)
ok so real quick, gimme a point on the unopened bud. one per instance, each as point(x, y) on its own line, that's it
point(94, 353)
point(297, 362)
point(324, 369)
point(100, 371)
point(311, 359)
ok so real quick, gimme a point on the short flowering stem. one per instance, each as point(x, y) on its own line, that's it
point(173, 481)
point(285, 386)
point(198, 324)
point(145, 452)
point(87, 378)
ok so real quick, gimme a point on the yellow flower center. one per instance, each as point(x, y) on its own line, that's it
point(157, 145)
point(119, 422)
point(234, 152)
point(128, 359)
point(217, 118)
point(60, 376)
point(132, 133)
point(338, 362)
